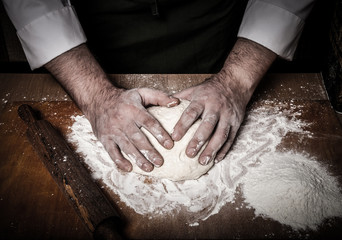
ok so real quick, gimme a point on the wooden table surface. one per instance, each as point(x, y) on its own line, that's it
point(32, 207)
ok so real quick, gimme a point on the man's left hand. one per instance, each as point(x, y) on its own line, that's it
point(221, 109)
point(221, 101)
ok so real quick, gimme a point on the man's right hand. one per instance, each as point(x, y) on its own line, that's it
point(116, 115)
point(116, 119)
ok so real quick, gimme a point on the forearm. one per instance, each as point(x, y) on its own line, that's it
point(81, 75)
point(116, 115)
point(245, 66)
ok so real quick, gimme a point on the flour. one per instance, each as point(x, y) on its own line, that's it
point(302, 193)
point(288, 187)
point(177, 165)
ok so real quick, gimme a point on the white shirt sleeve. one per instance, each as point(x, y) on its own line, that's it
point(275, 24)
point(46, 28)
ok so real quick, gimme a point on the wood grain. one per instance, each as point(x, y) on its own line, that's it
point(32, 207)
point(31, 204)
point(66, 168)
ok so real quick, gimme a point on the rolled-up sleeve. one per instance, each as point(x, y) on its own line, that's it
point(46, 28)
point(275, 24)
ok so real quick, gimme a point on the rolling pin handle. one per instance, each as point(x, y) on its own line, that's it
point(109, 229)
point(43, 136)
point(27, 113)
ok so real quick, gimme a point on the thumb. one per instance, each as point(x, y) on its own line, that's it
point(156, 97)
point(185, 94)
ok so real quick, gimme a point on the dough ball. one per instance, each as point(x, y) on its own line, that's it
point(177, 166)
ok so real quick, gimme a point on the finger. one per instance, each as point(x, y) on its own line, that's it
point(121, 162)
point(114, 153)
point(216, 142)
point(189, 116)
point(202, 134)
point(153, 126)
point(133, 153)
point(140, 141)
point(224, 150)
point(156, 97)
point(185, 94)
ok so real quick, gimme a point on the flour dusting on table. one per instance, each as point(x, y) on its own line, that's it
point(289, 187)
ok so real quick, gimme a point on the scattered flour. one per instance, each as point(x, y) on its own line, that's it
point(291, 188)
point(303, 193)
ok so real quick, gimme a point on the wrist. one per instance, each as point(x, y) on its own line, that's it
point(82, 77)
point(245, 66)
point(236, 79)
point(92, 102)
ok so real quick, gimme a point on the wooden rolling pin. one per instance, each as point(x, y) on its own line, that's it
point(72, 177)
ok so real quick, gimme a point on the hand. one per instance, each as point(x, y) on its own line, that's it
point(221, 109)
point(116, 119)
point(221, 101)
point(116, 115)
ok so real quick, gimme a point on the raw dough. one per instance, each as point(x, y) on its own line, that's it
point(177, 166)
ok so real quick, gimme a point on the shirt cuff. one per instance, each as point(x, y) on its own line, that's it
point(51, 35)
point(273, 27)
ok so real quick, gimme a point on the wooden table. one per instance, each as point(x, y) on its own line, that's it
point(32, 207)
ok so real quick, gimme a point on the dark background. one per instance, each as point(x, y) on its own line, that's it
point(319, 49)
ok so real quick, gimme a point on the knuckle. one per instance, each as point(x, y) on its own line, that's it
point(192, 112)
point(137, 137)
point(156, 130)
point(200, 137)
point(225, 131)
point(211, 119)
point(147, 120)
point(196, 143)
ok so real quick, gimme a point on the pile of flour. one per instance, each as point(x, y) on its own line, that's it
point(292, 188)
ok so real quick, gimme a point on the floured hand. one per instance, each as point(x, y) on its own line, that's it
point(222, 111)
point(116, 115)
point(221, 101)
point(117, 118)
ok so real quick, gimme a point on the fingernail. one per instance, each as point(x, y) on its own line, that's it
point(173, 103)
point(219, 158)
point(205, 160)
point(158, 162)
point(191, 152)
point(176, 136)
point(168, 144)
point(128, 168)
point(147, 167)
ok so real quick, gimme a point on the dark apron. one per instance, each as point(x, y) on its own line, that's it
point(151, 36)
